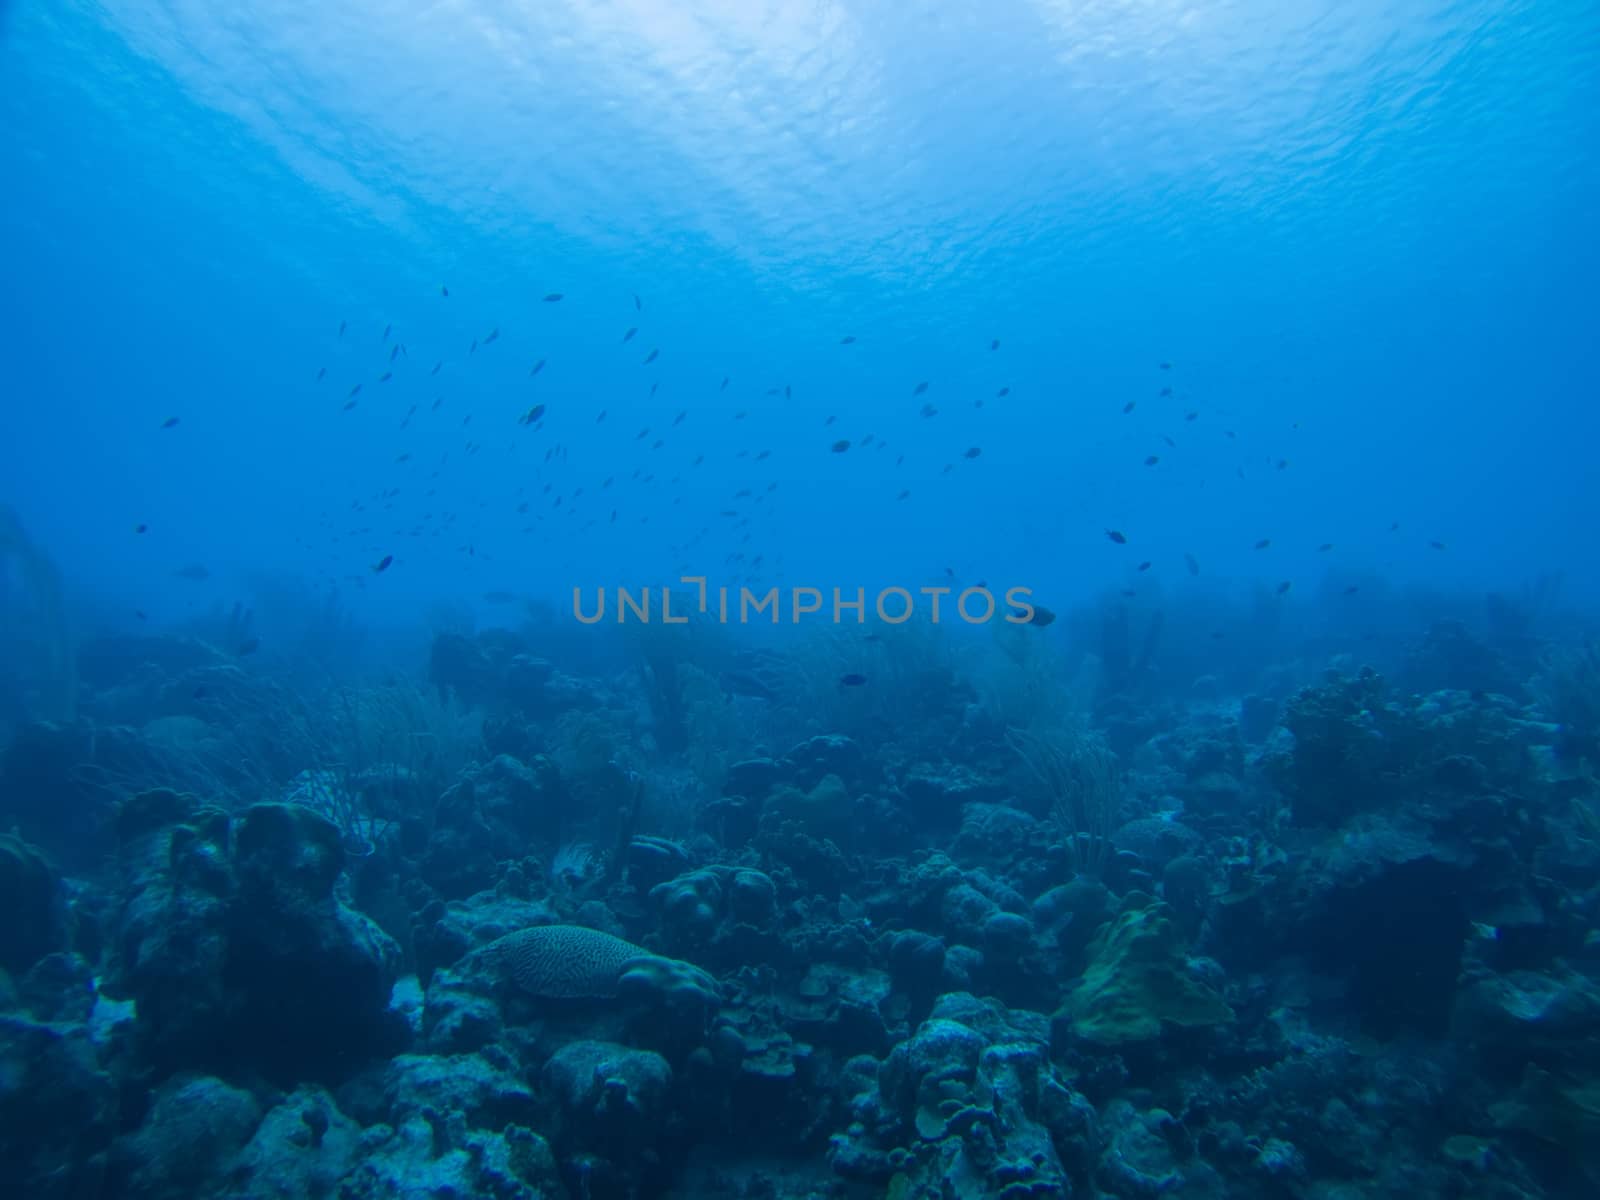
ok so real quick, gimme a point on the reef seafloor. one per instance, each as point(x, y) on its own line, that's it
point(712, 924)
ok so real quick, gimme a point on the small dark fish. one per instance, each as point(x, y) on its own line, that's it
point(436, 367)
point(1437, 545)
point(1283, 464)
point(536, 368)
point(341, 328)
point(638, 304)
point(1166, 391)
point(1192, 563)
point(1263, 543)
point(1325, 547)
point(1170, 443)
point(532, 415)
point(724, 386)
point(1117, 536)
point(1352, 589)
point(386, 330)
point(553, 298)
point(678, 420)
point(494, 336)
point(1042, 616)
point(1166, 366)
point(385, 377)
point(973, 452)
point(355, 391)
point(1127, 408)
point(395, 353)
point(1394, 526)
point(847, 340)
point(628, 337)
point(382, 565)
point(1284, 587)
point(1189, 416)
point(321, 372)
point(852, 680)
point(1005, 391)
point(139, 614)
point(651, 357)
point(904, 495)
point(1152, 460)
point(929, 410)
point(249, 646)
point(348, 405)
point(141, 527)
point(444, 291)
point(169, 423)
point(1144, 566)
point(920, 388)
point(788, 393)
point(995, 345)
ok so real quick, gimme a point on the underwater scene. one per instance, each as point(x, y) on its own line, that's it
point(799, 600)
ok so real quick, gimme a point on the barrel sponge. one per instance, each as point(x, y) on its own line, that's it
point(569, 962)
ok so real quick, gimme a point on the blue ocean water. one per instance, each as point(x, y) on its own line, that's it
point(1254, 340)
point(1362, 235)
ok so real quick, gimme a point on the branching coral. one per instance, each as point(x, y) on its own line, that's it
point(1078, 774)
point(37, 620)
point(1568, 689)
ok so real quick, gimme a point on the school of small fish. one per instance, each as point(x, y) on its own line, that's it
point(553, 491)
